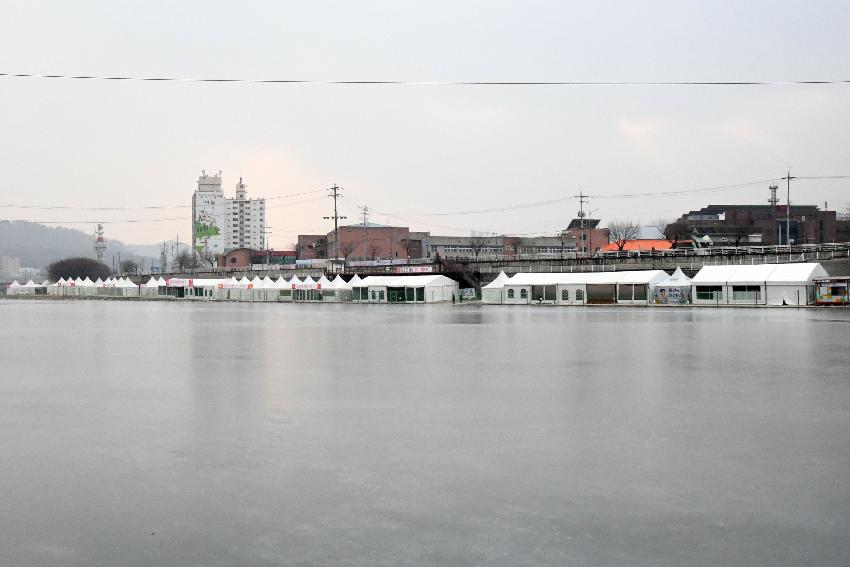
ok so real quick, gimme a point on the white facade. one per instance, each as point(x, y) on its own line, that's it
point(581, 288)
point(405, 289)
point(760, 284)
point(220, 224)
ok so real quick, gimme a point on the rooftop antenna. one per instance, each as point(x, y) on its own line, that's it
point(774, 200)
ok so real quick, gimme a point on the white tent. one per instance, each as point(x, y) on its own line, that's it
point(493, 292)
point(30, 284)
point(355, 280)
point(14, 288)
point(281, 283)
point(256, 283)
point(334, 290)
point(675, 290)
point(98, 282)
point(267, 282)
point(759, 284)
point(579, 288)
point(433, 288)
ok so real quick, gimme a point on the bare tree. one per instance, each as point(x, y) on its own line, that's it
point(129, 267)
point(346, 249)
point(514, 244)
point(621, 231)
point(477, 241)
point(321, 247)
point(741, 233)
point(373, 251)
point(186, 260)
point(660, 224)
point(677, 231)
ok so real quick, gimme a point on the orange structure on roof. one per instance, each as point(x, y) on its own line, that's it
point(642, 245)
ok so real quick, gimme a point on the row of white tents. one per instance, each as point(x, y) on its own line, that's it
point(29, 288)
point(762, 284)
point(429, 288)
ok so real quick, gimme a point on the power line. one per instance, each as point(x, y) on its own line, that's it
point(571, 197)
point(430, 83)
point(150, 207)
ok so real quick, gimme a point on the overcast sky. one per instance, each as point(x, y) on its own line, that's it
point(409, 150)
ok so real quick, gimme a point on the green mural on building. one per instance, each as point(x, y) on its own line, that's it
point(203, 228)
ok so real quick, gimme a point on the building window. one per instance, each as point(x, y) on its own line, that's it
point(579, 295)
point(565, 295)
point(749, 293)
point(710, 292)
point(523, 293)
point(510, 294)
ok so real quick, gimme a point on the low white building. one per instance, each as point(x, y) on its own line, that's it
point(433, 288)
point(580, 288)
point(759, 284)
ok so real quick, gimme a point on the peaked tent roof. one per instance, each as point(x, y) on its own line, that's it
point(30, 283)
point(324, 282)
point(499, 281)
point(355, 280)
point(15, 284)
point(339, 283)
point(676, 279)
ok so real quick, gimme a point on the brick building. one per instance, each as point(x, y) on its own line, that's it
point(742, 225)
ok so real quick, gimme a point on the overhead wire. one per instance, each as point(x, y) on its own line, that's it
point(498, 83)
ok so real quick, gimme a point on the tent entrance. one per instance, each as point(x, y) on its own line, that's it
point(543, 293)
point(601, 293)
point(396, 295)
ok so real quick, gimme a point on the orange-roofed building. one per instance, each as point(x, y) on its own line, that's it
point(641, 245)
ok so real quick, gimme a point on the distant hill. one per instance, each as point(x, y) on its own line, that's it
point(38, 245)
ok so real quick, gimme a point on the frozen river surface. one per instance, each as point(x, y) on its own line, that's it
point(235, 434)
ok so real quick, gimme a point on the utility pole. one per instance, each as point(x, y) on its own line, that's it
point(582, 199)
point(788, 179)
point(335, 195)
point(364, 212)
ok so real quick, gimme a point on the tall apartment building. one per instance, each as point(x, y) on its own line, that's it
point(220, 223)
